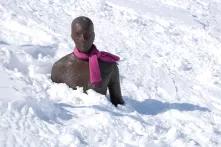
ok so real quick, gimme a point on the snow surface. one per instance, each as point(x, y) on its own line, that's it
point(170, 73)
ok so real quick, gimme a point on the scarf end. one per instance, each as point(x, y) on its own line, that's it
point(96, 84)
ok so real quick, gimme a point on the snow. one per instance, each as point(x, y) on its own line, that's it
point(170, 72)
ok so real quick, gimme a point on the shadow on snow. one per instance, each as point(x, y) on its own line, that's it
point(154, 107)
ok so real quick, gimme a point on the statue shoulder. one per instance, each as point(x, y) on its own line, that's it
point(64, 60)
point(60, 67)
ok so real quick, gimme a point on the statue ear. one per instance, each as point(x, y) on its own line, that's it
point(72, 36)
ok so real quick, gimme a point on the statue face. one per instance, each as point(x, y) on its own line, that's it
point(83, 36)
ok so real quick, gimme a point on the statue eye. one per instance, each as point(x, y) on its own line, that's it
point(77, 33)
point(88, 35)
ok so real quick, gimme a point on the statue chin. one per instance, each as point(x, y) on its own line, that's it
point(86, 49)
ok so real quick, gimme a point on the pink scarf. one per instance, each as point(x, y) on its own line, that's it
point(93, 56)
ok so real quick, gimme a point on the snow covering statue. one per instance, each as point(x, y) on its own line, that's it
point(86, 66)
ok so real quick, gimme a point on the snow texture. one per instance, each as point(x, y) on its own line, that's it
point(170, 72)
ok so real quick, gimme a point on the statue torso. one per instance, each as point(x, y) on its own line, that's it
point(75, 72)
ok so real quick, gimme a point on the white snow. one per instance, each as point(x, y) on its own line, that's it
point(170, 72)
